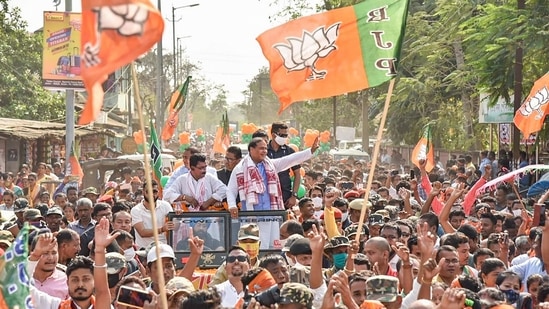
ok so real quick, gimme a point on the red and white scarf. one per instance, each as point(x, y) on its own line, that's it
point(251, 185)
point(198, 192)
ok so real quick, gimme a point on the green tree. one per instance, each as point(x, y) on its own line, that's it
point(21, 93)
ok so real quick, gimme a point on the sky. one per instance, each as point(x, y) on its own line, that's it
point(219, 34)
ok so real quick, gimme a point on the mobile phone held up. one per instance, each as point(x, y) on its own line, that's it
point(132, 297)
point(539, 215)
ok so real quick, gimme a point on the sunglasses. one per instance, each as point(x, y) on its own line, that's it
point(282, 135)
point(240, 258)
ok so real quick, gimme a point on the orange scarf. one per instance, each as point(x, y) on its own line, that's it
point(69, 304)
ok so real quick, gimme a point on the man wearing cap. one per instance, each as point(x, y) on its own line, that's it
point(351, 231)
point(355, 207)
point(385, 290)
point(256, 181)
point(300, 253)
point(286, 248)
point(197, 189)
point(142, 219)
point(34, 217)
point(177, 289)
point(20, 205)
point(42, 265)
point(167, 257)
point(6, 239)
point(237, 264)
point(91, 193)
point(85, 221)
point(249, 241)
point(116, 270)
point(53, 218)
point(295, 295)
point(336, 250)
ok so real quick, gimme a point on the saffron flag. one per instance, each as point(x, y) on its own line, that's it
point(530, 116)
point(222, 139)
point(176, 104)
point(74, 167)
point(156, 155)
point(335, 52)
point(114, 33)
point(14, 279)
point(424, 149)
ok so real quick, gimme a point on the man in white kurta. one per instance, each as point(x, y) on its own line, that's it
point(198, 190)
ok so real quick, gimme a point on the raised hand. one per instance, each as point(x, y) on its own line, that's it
point(431, 269)
point(317, 239)
point(402, 251)
point(45, 243)
point(315, 145)
point(425, 240)
point(103, 238)
point(452, 299)
point(196, 245)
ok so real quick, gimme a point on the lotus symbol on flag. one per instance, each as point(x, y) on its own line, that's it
point(535, 103)
point(126, 19)
point(422, 154)
point(303, 53)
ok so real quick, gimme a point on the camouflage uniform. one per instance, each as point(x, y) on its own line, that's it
point(382, 288)
point(296, 293)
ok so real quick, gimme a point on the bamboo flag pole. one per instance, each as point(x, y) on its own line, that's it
point(374, 158)
point(152, 206)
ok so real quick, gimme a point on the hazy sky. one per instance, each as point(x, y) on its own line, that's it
point(222, 35)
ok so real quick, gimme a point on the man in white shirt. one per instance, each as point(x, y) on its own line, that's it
point(142, 219)
point(237, 264)
point(185, 168)
point(197, 189)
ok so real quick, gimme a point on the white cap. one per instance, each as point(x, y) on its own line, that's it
point(165, 251)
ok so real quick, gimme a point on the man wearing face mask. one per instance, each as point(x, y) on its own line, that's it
point(336, 250)
point(277, 148)
point(116, 270)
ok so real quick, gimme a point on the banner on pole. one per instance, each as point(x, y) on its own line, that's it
point(61, 63)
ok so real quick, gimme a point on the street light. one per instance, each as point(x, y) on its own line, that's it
point(173, 39)
point(179, 62)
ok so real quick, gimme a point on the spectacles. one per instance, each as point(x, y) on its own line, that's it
point(230, 159)
point(282, 135)
point(234, 258)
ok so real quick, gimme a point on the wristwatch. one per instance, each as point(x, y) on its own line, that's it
point(294, 194)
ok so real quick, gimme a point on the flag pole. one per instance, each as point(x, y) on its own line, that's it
point(148, 178)
point(374, 158)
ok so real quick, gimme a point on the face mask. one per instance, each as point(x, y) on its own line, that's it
point(113, 280)
point(317, 201)
point(129, 254)
point(344, 216)
point(290, 261)
point(281, 140)
point(251, 248)
point(511, 296)
point(299, 265)
point(339, 260)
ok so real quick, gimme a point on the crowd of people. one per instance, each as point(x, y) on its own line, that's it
point(428, 240)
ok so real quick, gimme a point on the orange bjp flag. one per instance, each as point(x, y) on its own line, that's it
point(424, 149)
point(176, 104)
point(335, 52)
point(530, 116)
point(114, 33)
